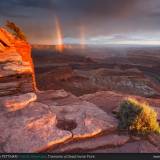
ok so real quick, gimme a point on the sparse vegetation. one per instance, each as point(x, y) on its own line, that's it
point(15, 30)
point(158, 78)
point(138, 117)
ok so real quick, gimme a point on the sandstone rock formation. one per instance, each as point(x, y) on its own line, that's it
point(16, 68)
point(93, 143)
point(6, 39)
point(39, 127)
point(132, 147)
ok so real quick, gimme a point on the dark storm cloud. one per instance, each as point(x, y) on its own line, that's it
point(28, 3)
point(94, 9)
point(35, 17)
point(12, 8)
point(98, 17)
point(98, 7)
point(48, 4)
point(113, 16)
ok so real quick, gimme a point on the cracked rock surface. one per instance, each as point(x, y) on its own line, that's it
point(34, 128)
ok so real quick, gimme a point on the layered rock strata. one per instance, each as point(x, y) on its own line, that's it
point(16, 67)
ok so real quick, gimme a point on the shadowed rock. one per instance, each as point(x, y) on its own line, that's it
point(134, 147)
point(112, 140)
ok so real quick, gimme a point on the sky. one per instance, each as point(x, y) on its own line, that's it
point(91, 21)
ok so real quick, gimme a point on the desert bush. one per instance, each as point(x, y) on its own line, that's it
point(16, 30)
point(138, 117)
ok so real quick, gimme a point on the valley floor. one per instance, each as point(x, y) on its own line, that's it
point(137, 72)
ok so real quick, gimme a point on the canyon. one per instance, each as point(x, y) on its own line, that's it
point(125, 70)
point(66, 103)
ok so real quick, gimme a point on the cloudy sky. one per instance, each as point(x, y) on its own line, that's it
point(101, 21)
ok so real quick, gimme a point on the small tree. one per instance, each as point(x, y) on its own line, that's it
point(138, 117)
point(16, 30)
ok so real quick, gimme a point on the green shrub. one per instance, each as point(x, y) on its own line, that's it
point(138, 117)
point(16, 30)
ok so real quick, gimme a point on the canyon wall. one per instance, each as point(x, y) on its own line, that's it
point(16, 67)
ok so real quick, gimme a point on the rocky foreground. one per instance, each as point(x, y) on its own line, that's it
point(57, 121)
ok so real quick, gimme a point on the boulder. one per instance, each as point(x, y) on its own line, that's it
point(52, 94)
point(14, 103)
